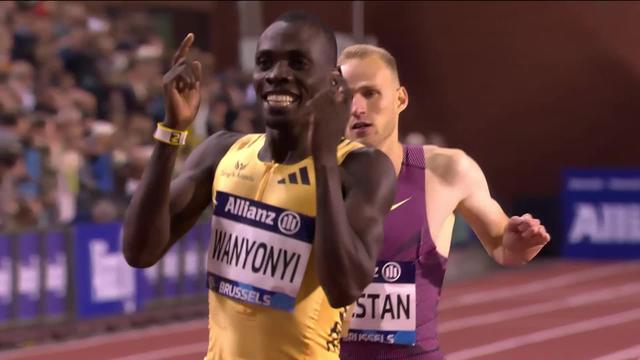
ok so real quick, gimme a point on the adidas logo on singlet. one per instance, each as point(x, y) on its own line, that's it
point(293, 178)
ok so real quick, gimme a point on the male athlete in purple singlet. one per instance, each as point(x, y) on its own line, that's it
point(395, 317)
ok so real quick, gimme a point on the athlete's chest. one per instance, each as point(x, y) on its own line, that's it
point(263, 228)
point(288, 186)
point(405, 223)
point(441, 200)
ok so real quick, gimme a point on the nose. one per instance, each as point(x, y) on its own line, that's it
point(280, 74)
point(358, 105)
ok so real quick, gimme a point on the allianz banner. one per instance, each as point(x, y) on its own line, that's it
point(6, 276)
point(602, 213)
point(29, 276)
point(105, 283)
point(56, 275)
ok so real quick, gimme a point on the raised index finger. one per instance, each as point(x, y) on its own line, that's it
point(182, 51)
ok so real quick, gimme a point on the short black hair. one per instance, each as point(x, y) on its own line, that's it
point(306, 18)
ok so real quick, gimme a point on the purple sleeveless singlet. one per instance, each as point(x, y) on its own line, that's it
point(407, 238)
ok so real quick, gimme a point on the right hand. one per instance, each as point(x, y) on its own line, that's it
point(181, 86)
point(330, 111)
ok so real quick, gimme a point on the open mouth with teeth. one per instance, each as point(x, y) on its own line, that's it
point(281, 101)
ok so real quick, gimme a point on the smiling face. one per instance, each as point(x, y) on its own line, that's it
point(291, 67)
point(377, 102)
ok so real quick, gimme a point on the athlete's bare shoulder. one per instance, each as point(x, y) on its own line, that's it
point(212, 150)
point(450, 165)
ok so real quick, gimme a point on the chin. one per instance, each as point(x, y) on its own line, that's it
point(364, 139)
point(369, 141)
point(287, 121)
point(279, 118)
point(277, 122)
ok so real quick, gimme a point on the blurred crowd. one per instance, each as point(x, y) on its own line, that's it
point(80, 94)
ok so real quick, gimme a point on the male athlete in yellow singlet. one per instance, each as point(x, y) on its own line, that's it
point(297, 221)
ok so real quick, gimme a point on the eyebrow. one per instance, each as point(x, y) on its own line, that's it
point(287, 53)
point(367, 86)
point(263, 52)
point(298, 52)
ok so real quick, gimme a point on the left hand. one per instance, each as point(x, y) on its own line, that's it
point(523, 233)
point(329, 113)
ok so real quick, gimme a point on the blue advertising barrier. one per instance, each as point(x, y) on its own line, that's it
point(6, 276)
point(29, 276)
point(170, 270)
point(37, 282)
point(56, 275)
point(204, 235)
point(147, 286)
point(602, 214)
point(192, 266)
point(105, 283)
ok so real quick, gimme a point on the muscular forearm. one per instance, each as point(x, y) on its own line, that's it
point(147, 222)
point(340, 257)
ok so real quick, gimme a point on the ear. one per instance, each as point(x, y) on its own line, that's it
point(402, 99)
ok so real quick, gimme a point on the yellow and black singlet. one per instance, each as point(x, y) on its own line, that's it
point(265, 299)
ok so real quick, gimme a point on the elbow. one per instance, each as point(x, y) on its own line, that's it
point(140, 246)
point(345, 293)
point(343, 298)
point(344, 290)
point(136, 258)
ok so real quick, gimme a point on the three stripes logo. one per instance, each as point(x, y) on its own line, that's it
point(297, 177)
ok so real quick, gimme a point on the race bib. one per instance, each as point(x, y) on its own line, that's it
point(258, 253)
point(386, 310)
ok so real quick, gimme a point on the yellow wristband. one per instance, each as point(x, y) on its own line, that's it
point(170, 136)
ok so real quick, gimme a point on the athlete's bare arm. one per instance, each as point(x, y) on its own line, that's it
point(162, 210)
point(351, 204)
point(510, 241)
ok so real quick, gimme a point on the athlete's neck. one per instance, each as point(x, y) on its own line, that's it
point(394, 150)
point(284, 146)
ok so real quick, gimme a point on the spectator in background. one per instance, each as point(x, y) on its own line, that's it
point(81, 93)
point(415, 138)
point(221, 114)
point(246, 120)
point(10, 156)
